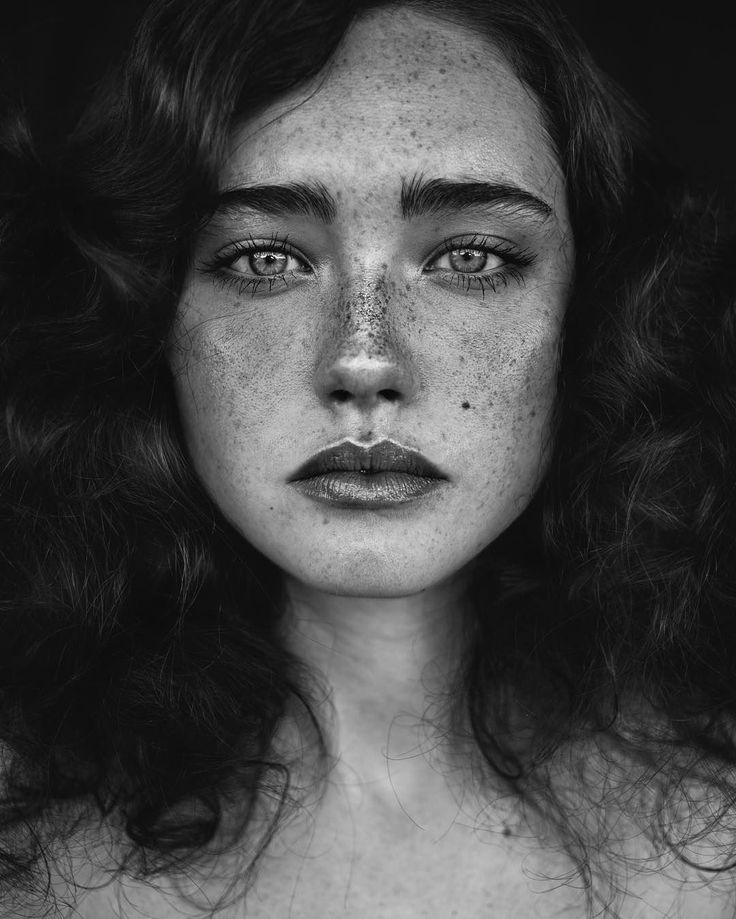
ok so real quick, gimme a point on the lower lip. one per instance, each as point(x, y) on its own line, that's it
point(359, 489)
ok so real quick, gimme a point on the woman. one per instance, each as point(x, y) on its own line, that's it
point(366, 496)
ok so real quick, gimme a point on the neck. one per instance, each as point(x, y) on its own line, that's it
point(388, 664)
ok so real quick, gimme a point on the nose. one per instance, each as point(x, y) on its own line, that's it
point(363, 363)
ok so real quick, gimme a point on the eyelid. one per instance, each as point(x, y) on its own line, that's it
point(251, 244)
point(220, 266)
point(497, 245)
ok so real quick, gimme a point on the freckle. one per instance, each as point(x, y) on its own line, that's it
point(466, 405)
point(442, 70)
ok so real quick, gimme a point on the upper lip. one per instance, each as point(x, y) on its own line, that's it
point(385, 456)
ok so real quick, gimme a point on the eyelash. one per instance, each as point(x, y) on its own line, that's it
point(515, 261)
point(221, 264)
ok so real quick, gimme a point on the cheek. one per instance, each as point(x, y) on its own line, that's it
point(224, 394)
point(508, 369)
point(510, 403)
point(229, 373)
point(526, 380)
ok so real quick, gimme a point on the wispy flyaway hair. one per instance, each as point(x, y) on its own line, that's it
point(141, 673)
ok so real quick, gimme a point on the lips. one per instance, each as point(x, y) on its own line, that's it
point(385, 456)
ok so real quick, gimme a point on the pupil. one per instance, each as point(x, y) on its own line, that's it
point(267, 263)
point(467, 260)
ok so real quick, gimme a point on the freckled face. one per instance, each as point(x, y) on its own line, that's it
point(436, 325)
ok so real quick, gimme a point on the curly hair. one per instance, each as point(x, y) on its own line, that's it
point(141, 671)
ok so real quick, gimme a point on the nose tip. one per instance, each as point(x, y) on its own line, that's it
point(366, 382)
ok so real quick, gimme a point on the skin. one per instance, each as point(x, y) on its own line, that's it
point(260, 377)
point(265, 381)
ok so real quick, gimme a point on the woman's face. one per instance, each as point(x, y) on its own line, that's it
point(407, 281)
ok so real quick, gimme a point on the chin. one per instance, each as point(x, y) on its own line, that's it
point(384, 583)
point(374, 576)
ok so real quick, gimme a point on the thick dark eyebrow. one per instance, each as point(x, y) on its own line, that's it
point(311, 199)
point(422, 197)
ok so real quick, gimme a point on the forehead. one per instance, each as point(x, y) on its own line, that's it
point(405, 93)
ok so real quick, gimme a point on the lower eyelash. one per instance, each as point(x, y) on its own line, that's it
point(221, 277)
point(243, 284)
point(493, 282)
point(516, 261)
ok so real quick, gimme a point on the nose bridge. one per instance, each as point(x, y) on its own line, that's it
point(362, 320)
point(363, 359)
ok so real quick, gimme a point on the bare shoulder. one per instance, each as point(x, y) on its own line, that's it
point(320, 894)
point(345, 861)
point(390, 872)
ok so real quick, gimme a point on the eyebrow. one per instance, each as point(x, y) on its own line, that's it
point(420, 197)
point(310, 199)
point(428, 197)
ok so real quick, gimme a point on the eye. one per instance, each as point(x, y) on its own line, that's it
point(479, 263)
point(266, 263)
point(468, 260)
point(249, 264)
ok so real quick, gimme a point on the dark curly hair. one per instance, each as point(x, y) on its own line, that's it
point(142, 677)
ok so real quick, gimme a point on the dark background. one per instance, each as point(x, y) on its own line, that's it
point(676, 60)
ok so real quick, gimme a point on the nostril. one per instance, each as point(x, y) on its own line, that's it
point(344, 395)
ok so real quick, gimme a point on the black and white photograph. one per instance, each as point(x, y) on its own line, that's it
point(367, 460)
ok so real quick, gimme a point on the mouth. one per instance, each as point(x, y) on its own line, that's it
point(385, 475)
point(387, 456)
